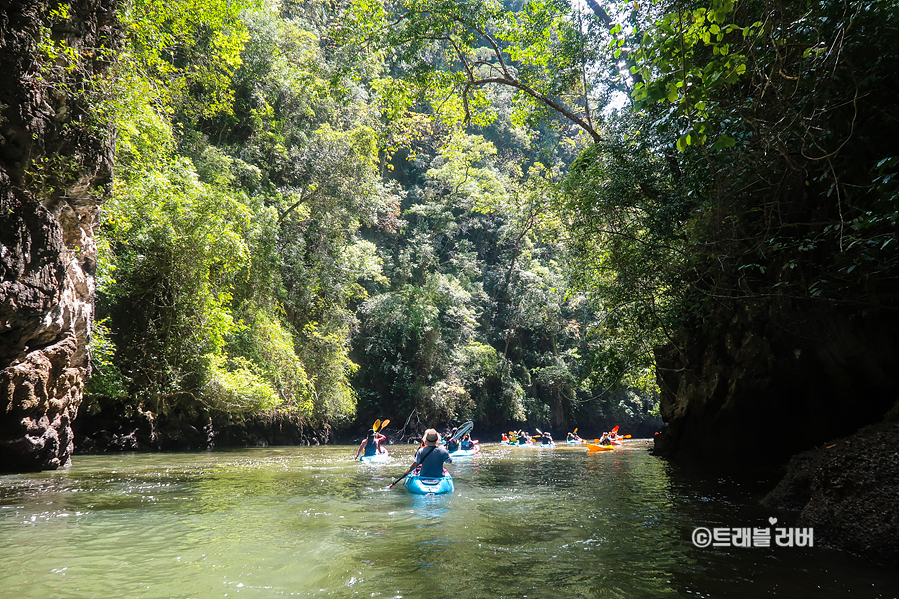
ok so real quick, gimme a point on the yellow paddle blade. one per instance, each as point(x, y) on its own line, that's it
point(626, 437)
point(376, 425)
point(575, 429)
point(385, 423)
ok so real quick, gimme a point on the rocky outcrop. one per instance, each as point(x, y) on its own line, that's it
point(848, 491)
point(774, 379)
point(55, 168)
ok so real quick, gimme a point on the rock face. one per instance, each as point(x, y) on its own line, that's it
point(848, 492)
point(55, 168)
point(773, 380)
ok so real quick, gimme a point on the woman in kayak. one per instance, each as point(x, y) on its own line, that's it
point(371, 445)
point(605, 440)
point(430, 457)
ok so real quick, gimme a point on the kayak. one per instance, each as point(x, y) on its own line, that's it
point(464, 453)
point(575, 442)
point(545, 445)
point(429, 486)
point(378, 457)
point(591, 448)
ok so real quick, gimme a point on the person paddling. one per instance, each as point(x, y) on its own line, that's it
point(430, 457)
point(452, 444)
point(371, 445)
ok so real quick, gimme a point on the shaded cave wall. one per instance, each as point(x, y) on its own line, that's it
point(776, 378)
point(55, 170)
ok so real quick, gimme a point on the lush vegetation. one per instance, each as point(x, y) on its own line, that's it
point(341, 211)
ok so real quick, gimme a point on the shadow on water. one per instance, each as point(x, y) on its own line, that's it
point(312, 522)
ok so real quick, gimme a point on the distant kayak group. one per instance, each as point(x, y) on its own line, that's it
point(607, 442)
point(427, 474)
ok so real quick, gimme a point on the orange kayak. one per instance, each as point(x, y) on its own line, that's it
point(592, 448)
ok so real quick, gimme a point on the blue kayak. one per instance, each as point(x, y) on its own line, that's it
point(378, 457)
point(461, 453)
point(429, 486)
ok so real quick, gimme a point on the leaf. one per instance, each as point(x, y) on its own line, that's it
point(725, 141)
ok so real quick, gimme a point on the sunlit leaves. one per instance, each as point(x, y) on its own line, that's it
point(686, 56)
point(188, 49)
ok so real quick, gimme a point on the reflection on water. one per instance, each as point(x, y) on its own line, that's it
point(312, 522)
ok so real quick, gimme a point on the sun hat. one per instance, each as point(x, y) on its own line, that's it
point(431, 437)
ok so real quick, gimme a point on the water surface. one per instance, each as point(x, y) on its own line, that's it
point(311, 522)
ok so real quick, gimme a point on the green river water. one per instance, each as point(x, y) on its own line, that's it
point(311, 522)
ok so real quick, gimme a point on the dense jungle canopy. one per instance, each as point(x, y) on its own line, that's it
point(479, 209)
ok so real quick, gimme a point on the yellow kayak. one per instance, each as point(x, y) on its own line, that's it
point(592, 448)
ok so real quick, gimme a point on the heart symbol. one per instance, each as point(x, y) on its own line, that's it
point(773, 521)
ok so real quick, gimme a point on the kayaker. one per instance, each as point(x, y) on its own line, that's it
point(371, 445)
point(546, 439)
point(452, 444)
point(523, 438)
point(430, 457)
point(605, 440)
point(467, 443)
point(574, 437)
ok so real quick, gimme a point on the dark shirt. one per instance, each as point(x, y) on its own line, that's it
point(434, 458)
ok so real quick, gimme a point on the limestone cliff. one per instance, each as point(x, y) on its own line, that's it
point(771, 379)
point(55, 168)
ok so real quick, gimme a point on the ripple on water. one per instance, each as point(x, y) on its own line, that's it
point(313, 522)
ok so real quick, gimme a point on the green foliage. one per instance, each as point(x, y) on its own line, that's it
point(187, 50)
point(176, 245)
point(455, 52)
point(255, 258)
point(802, 110)
point(230, 249)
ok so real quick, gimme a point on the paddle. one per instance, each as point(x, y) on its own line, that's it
point(463, 430)
point(384, 424)
point(375, 426)
point(390, 486)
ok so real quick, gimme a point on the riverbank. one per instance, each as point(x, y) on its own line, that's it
point(145, 433)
